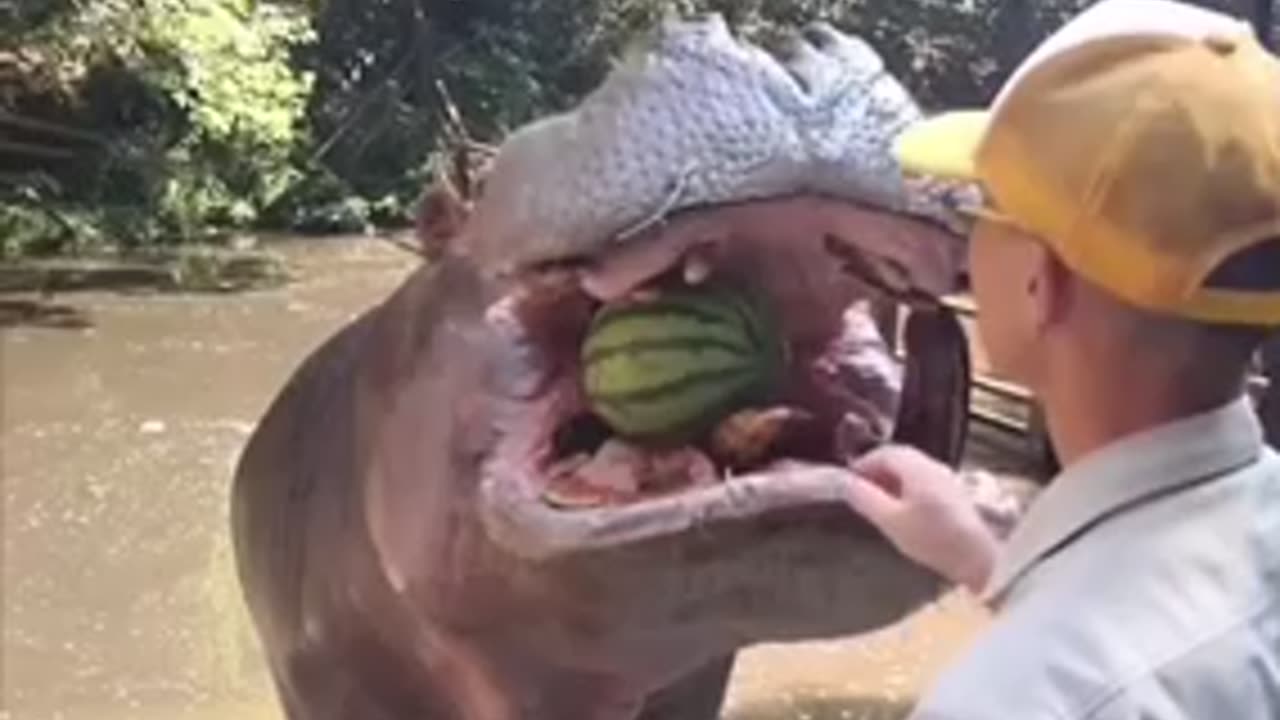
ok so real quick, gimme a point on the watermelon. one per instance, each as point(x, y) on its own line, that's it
point(667, 369)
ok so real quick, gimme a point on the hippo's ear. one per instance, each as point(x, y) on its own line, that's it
point(446, 205)
point(442, 212)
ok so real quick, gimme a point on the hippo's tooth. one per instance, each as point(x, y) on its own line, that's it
point(619, 272)
point(697, 267)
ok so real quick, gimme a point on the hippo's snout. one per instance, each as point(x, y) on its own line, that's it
point(695, 118)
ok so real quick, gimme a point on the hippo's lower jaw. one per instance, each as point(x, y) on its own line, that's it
point(536, 508)
point(842, 375)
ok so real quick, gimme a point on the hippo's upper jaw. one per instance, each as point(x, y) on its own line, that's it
point(697, 118)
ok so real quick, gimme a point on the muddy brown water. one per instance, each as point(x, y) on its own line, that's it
point(122, 418)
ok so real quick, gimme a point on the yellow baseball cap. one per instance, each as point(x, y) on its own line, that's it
point(1142, 143)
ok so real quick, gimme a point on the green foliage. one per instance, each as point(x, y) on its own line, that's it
point(27, 227)
point(197, 113)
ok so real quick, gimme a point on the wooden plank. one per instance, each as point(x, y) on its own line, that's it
point(995, 419)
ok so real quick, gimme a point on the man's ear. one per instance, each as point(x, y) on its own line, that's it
point(1050, 289)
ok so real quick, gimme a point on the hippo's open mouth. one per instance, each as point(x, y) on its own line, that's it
point(564, 479)
point(768, 170)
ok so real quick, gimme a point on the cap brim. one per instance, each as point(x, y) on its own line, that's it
point(944, 145)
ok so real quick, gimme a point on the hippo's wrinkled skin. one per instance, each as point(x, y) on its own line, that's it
point(399, 566)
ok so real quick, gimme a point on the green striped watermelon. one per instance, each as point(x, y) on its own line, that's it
point(670, 368)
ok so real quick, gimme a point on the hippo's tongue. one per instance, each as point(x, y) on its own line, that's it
point(620, 473)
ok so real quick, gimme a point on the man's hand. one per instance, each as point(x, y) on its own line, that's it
point(925, 510)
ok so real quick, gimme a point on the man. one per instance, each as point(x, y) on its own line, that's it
point(1125, 267)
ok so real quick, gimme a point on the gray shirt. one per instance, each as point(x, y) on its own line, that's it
point(1144, 583)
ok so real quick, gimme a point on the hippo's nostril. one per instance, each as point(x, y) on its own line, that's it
point(801, 60)
point(782, 45)
point(820, 34)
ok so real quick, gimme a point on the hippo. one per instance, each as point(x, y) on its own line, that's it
point(395, 545)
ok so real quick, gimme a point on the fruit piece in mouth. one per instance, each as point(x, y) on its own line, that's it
point(666, 368)
point(677, 384)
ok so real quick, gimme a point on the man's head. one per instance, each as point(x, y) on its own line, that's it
point(1131, 170)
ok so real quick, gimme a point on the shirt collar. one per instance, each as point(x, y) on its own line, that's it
point(1125, 473)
